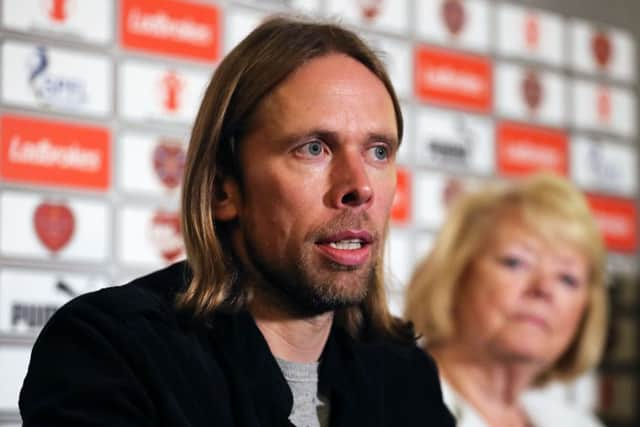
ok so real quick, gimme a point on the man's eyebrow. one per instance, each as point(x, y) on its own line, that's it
point(329, 135)
point(392, 140)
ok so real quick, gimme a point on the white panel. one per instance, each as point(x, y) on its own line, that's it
point(604, 166)
point(159, 92)
point(28, 298)
point(604, 108)
point(461, 142)
point(530, 34)
point(465, 25)
point(238, 25)
point(151, 164)
point(424, 243)
point(407, 148)
point(428, 203)
point(148, 237)
point(52, 235)
point(14, 361)
point(398, 58)
point(530, 94)
point(399, 258)
point(87, 20)
point(602, 50)
point(384, 15)
point(50, 78)
point(306, 6)
point(395, 302)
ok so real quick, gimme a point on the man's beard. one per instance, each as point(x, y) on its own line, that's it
point(304, 289)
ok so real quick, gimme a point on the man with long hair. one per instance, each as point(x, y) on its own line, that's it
point(278, 315)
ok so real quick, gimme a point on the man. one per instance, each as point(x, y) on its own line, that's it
point(278, 316)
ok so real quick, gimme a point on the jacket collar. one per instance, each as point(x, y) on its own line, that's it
point(254, 373)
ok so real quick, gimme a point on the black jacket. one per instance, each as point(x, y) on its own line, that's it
point(124, 356)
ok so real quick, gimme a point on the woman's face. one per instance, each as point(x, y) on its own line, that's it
point(523, 297)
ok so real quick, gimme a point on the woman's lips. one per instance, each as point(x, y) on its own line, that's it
point(534, 320)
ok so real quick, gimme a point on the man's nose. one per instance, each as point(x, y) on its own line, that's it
point(351, 186)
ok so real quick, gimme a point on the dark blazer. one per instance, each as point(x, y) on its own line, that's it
point(124, 356)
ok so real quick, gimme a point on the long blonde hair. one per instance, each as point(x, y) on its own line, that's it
point(551, 207)
point(243, 79)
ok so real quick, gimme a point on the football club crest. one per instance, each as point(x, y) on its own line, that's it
point(601, 48)
point(532, 90)
point(168, 162)
point(370, 9)
point(166, 234)
point(454, 16)
point(54, 224)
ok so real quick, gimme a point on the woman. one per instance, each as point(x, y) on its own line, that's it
point(510, 297)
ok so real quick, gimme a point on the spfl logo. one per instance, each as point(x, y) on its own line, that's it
point(54, 90)
point(605, 171)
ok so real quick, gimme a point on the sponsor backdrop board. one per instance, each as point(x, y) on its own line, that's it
point(97, 99)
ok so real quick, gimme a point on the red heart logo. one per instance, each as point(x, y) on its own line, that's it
point(166, 234)
point(601, 48)
point(54, 224)
point(168, 162)
point(454, 15)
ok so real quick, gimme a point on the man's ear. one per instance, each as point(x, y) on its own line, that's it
point(227, 204)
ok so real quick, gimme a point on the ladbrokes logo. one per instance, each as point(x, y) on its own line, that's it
point(453, 79)
point(171, 27)
point(525, 149)
point(46, 154)
point(54, 90)
point(617, 220)
point(50, 153)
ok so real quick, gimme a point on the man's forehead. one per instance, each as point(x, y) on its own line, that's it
point(324, 82)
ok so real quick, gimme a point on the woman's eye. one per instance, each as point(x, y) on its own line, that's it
point(380, 152)
point(511, 261)
point(569, 280)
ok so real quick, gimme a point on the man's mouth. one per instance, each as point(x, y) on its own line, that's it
point(349, 248)
point(347, 245)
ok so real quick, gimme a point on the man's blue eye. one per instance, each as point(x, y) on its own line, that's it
point(380, 152)
point(314, 148)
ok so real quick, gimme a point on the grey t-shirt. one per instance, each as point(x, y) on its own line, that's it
point(310, 409)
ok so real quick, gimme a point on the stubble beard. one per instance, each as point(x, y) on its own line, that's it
point(305, 286)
